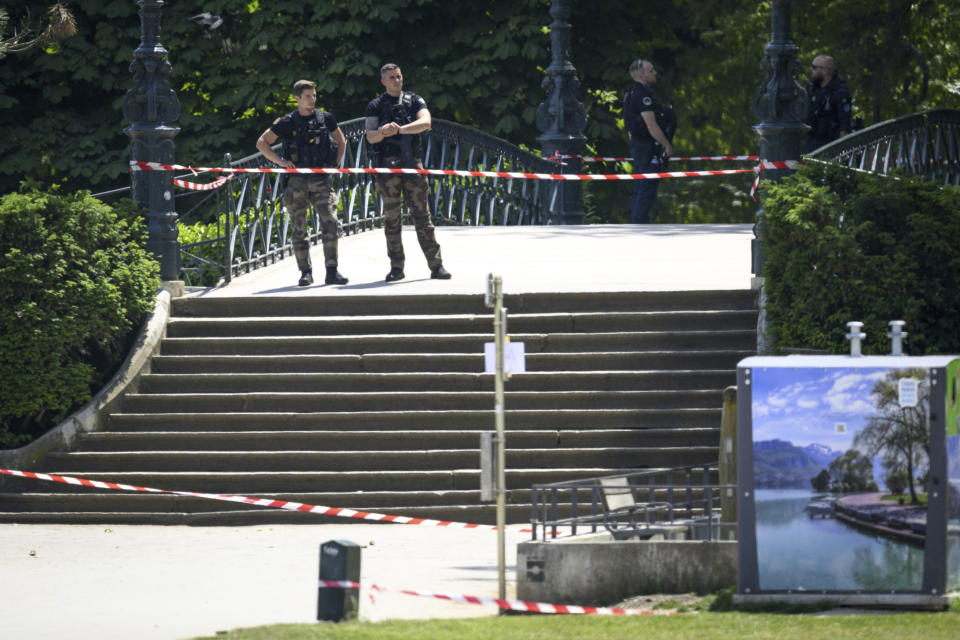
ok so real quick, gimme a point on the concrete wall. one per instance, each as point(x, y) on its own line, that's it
point(600, 571)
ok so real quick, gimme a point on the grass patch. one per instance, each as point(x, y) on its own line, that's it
point(730, 625)
point(922, 497)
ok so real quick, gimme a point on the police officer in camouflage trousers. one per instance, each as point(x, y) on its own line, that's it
point(311, 138)
point(830, 105)
point(394, 121)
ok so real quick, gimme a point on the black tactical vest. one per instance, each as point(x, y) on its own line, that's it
point(311, 144)
point(399, 112)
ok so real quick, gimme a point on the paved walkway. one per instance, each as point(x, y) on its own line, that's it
point(172, 583)
point(529, 259)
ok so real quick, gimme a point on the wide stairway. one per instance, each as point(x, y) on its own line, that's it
point(376, 403)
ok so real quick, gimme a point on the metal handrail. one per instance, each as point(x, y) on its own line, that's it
point(925, 144)
point(670, 498)
point(257, 229)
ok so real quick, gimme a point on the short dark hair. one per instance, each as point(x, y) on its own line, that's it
point(637, 65)
point(388, 67)
point(302, 85)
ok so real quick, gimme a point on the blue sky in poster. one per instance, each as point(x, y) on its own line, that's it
point(804, 405)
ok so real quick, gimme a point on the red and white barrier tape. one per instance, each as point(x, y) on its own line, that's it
point(260, 502)
point(156, 166)
point(196, 186)
point(672, 159)
point(512, 605)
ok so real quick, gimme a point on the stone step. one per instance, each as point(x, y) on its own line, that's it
point(517, 515)
point(359, 305)
point(439, 362)
point(708, 320)
point(417, 401)
point(399, 440)
point(445, 381)
point(81, 462)
point(462, 343)
point(477, 420)
point(380, 501)
point(256, 483)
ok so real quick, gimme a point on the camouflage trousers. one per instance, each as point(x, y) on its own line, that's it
point(413, 190)
point(300, 192)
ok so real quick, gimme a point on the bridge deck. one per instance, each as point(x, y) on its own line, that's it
point(529, 259)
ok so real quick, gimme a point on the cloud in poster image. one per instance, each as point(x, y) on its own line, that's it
point(804, 405)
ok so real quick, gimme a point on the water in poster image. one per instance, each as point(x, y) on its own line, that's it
point(798, 552)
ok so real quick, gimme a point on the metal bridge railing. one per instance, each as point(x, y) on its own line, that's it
point(256, 227)
point(681, 501)
point(925, 144)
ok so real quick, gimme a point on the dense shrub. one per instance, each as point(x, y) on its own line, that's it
point(841, 245)
point(75, 281)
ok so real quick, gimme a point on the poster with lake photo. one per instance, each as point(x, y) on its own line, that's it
point(840, 461)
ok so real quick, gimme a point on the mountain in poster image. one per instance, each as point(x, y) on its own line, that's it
point(778, 464)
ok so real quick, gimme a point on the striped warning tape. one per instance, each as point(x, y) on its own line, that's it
point(260, 502)
point(196, 186)
point(512, 605)
point(671, 159)
point(766, 165)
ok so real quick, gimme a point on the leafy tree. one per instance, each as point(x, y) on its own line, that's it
point(851, 472)
point(821, 482)
point(900, 434)
point(479, 64)
point(896, 480)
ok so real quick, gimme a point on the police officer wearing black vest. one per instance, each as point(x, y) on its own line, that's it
point(311, 138)
point(394, 122)
point(651, 126)
point(829, 107)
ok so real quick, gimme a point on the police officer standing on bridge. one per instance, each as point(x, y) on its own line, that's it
point(830, 105)
point(651, 126)
point(394, 121)
point(311, 138)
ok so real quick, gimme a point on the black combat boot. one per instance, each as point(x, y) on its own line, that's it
point(334, 277)
point(396, 273)
point(306, 277)
point(440, 273)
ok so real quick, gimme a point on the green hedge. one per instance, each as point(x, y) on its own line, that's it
point(842, 245)
point(75, 282)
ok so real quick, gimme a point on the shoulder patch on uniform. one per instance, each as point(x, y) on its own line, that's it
point(647, 100)
point(276, 121)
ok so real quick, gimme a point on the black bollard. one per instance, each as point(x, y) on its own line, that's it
point(339, 560)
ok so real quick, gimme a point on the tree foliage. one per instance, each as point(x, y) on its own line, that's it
point(75, 278)
point(842, 246)
point(900, 434)
point(479, 64)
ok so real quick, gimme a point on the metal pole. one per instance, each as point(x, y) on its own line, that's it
point(499, 331)
point(561, 117)
point(151, 106)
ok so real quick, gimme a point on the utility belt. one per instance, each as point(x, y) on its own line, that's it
point(399, 162)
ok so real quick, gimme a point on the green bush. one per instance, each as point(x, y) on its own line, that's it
point(841, 245)
point(75, 281)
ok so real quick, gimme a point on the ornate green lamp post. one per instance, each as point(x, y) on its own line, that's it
point(151, 107)
point(781, 103)
point(561, 116)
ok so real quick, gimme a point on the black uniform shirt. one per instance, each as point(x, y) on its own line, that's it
point(283, 126)
point(829, 112)
point(639, 98)
point(381, 108)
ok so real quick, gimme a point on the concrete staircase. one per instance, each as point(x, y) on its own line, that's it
point(376, 403)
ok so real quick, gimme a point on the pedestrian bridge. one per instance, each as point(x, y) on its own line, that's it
point(529, 259)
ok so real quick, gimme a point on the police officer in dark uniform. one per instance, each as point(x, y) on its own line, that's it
point(830, 105)
point(311, 138)
point(394, 121)
point(651, 126)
